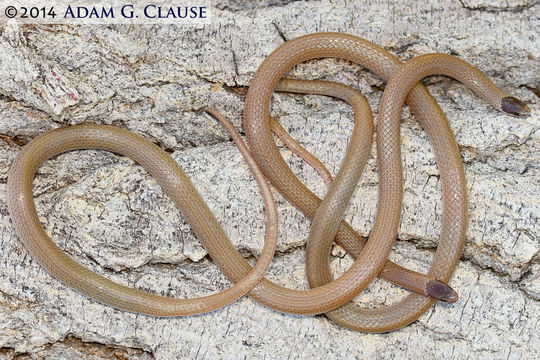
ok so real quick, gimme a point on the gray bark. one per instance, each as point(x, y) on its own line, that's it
point(109, 215)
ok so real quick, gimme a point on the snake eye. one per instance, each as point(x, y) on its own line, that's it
point(513, 106)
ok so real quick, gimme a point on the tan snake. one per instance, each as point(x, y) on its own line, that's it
point(327, 295)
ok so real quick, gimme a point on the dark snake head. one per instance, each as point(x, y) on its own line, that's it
point(440, 291)
point(513, 106)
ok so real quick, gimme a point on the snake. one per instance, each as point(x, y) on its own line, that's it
point(326, 294)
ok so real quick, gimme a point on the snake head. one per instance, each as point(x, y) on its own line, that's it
point(440, 291)
point(513, 106)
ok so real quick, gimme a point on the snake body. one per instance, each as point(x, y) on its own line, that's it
point(171, 178)
point(327, 295)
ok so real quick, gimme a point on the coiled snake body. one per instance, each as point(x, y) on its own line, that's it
point(326, 294)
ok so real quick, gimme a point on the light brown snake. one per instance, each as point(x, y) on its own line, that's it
point(326, 294)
